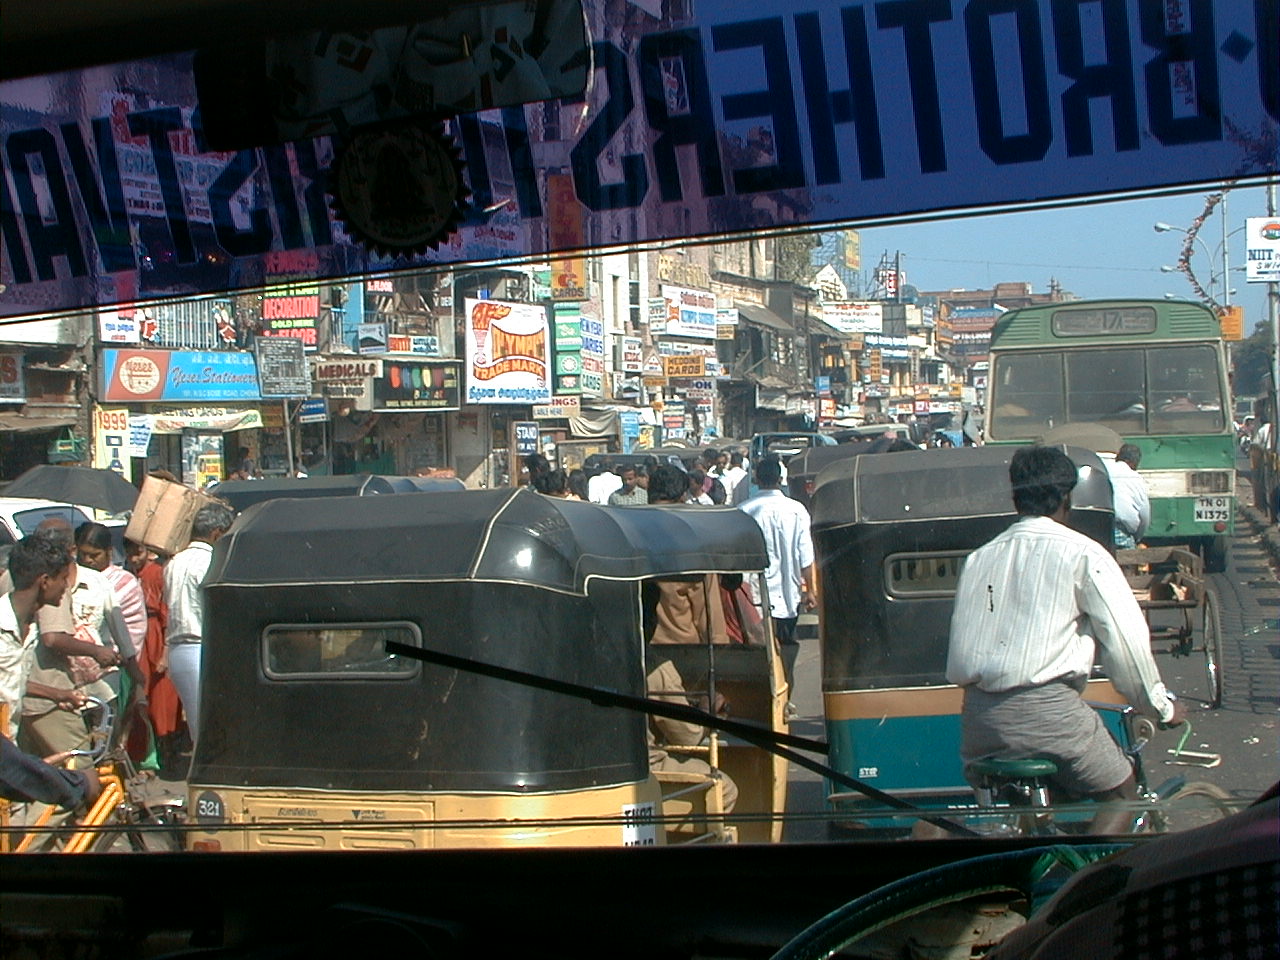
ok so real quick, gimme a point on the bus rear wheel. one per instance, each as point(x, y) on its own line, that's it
point(1214, 551)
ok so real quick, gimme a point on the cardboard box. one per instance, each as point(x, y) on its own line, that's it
point(164, 514)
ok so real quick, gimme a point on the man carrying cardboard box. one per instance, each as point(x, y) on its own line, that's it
point(183, 593)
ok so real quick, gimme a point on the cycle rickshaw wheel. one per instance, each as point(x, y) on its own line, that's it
point(1195, 805)
point(1211, 645)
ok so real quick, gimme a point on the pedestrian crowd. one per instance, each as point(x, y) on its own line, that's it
point(77, 627)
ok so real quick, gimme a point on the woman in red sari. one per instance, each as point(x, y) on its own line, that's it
point(165, 709)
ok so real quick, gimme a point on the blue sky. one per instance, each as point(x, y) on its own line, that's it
point(1100, 250)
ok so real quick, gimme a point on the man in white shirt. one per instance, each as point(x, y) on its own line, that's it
point(789, 579)
point(184, 595)
point(603, 484)
point(1031, 606)
point(1129, 495)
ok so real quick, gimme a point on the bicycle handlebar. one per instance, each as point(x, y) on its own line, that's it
point(100, 735)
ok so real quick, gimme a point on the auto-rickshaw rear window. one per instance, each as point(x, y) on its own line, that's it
point(923, 574)
point(340, 651)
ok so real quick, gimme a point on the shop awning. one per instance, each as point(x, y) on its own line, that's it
point(17, 423)
point(763, 316)
point(601, 420)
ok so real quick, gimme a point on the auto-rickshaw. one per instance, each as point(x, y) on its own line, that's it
point(313, 736)
point(242, 494)
point(891, 534)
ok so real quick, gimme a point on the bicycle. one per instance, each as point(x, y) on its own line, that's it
point(121, 819)
point(1014, 797)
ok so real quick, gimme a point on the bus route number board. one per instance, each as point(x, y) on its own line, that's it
point(1213, 509)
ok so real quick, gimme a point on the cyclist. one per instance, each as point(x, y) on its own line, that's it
point(1031, 605)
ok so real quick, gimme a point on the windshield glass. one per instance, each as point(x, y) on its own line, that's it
point(656, 226)
point(1158, 390)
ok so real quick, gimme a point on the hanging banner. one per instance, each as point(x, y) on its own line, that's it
point(708, 121)
point(507, 355)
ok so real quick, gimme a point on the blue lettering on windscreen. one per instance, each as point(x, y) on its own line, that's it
point(817, 99)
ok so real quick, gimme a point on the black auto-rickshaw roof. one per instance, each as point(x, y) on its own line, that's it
point(243, 494)
point(946, 483)
point(509, 536)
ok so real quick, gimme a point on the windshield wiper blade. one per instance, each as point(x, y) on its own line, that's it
point(776, 743)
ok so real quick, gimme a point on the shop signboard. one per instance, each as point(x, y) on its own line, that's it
point(629, 422)
point(416, 385)
point(372, 338)
point(524, 437)
point(1262, 249)
point(726, 323)
point(703, 389)
point(690, 313)
point(345, 369)
point(282, 367)
point(139, 434)
point(140, 376)
point(854, 316)
point(656, 315)
point(592, 357)
point(566, 231)
point(111, 440)
point(507, 352)
point(822, 386)
point(686, 366)
point(313, 410)
point(115, 327)
point(567, 407)
point(632, 355)
point(13, 387)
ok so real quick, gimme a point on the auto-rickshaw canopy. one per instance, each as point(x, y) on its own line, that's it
point(501, 536)
point(951, 484)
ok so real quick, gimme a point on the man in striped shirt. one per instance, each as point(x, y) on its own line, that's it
point(1031, 608)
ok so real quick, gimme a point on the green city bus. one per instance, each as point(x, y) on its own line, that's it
point(1155, 372)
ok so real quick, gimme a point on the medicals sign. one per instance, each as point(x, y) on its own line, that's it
point(720, 119)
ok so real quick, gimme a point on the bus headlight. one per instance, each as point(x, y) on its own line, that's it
point(1210, 481)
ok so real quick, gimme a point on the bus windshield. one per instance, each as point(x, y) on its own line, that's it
point(1137, 391)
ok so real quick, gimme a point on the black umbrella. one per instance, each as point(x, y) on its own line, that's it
point(83, 486)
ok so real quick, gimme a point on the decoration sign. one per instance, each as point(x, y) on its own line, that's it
point(138, 376)
point(506, 352)
point(869, 112)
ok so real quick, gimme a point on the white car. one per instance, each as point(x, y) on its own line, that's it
point(19, 516)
